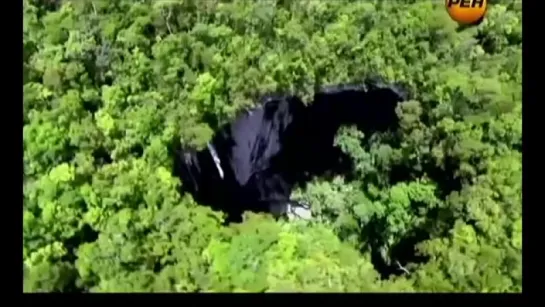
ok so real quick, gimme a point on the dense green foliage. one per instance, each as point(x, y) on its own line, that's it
point(109, 84)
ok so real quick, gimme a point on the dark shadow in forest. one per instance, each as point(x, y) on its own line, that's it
point(102, 156)
point(85, 235)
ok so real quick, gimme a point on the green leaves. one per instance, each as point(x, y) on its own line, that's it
point(262, 256)
point(468, 264)
point(108, 86)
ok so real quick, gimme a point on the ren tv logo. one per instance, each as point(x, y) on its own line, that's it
point(466, 12)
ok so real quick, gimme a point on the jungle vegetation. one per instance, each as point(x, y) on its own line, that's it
point(108, 84)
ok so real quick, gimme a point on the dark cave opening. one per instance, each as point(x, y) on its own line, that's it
point(307, 147)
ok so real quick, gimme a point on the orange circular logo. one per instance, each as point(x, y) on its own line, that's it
point(466, 11)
